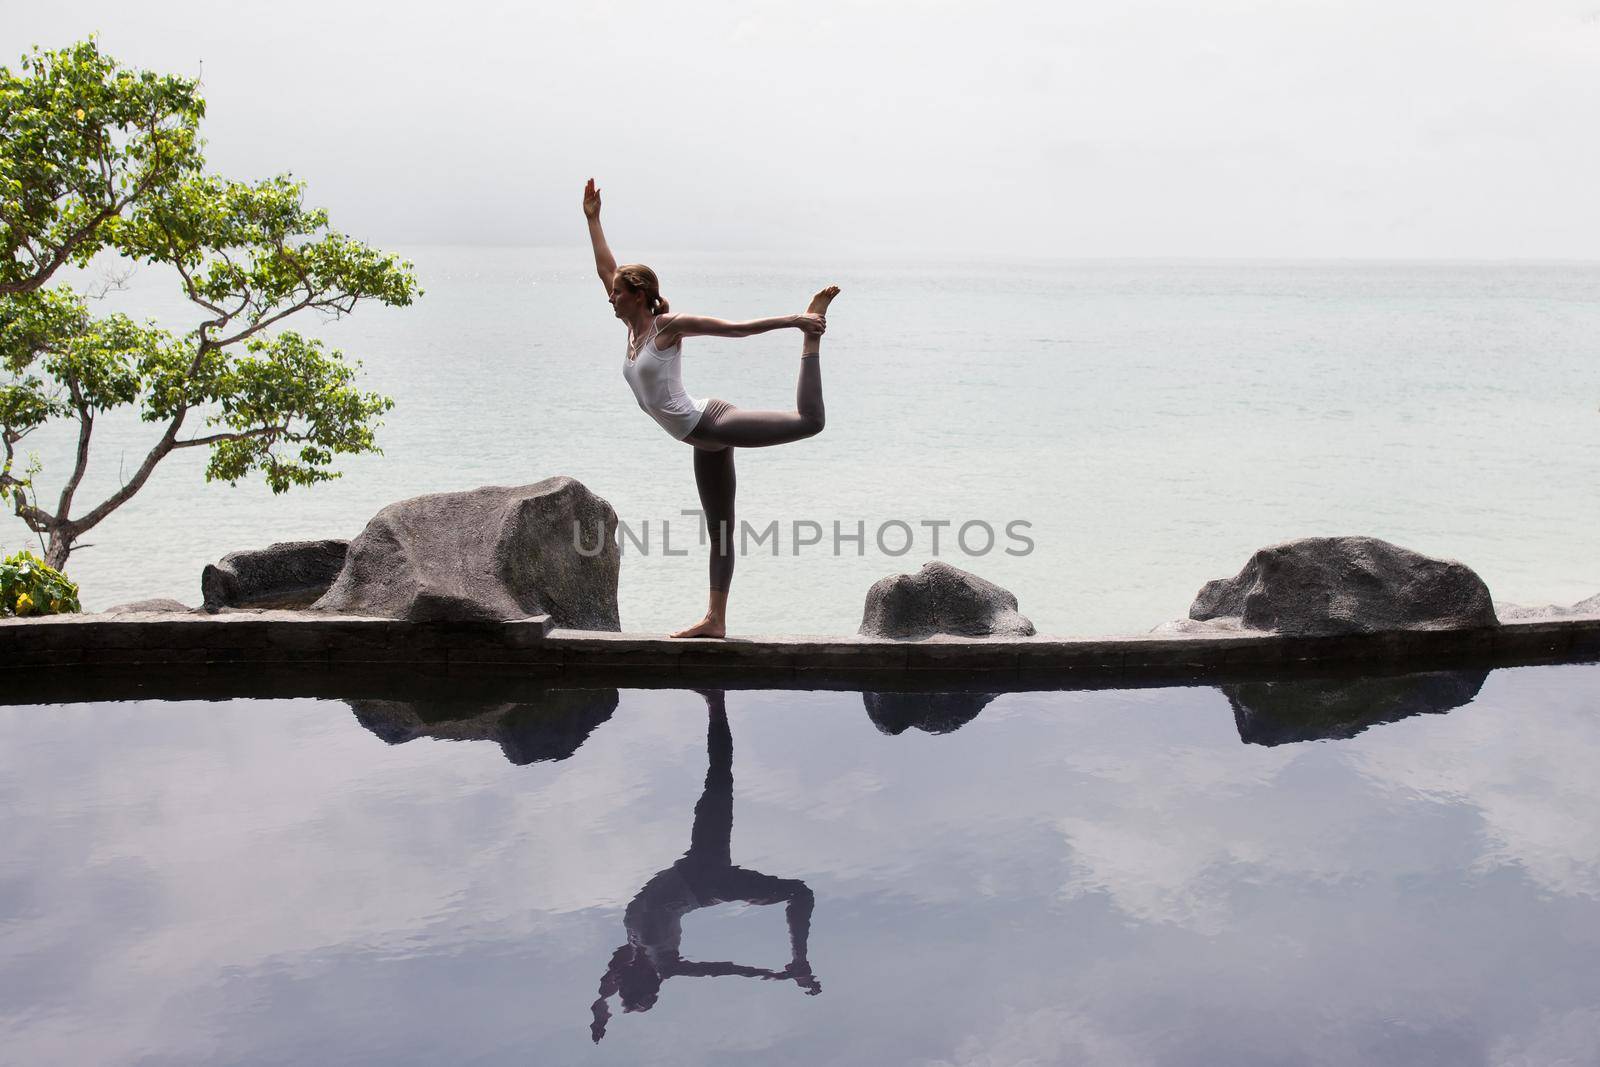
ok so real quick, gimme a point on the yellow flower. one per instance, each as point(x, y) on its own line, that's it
point(24, 603)
point(80, 114)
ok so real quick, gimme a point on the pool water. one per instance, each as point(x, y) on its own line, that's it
point(1393, 870)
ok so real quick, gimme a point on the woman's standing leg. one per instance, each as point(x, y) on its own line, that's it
point(714, 477)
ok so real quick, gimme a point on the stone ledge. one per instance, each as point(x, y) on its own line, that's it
point(532, 646)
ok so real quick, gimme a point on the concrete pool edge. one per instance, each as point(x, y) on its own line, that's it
point(131, 645)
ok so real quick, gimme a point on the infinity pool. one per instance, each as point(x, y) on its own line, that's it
point(1396, 870)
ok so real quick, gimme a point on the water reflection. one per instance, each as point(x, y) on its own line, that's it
point(934, 713)
point(1312, 709)
point(1273, 712)
point(548, 724)
point(1427, 892)
point(703, 877)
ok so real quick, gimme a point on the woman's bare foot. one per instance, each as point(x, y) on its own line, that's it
point(818, 306)
point(706, 627)
point(819, 303)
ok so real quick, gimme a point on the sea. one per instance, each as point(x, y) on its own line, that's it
point(1099, 437)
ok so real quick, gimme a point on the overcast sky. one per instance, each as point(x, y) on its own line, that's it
point(1436, 128)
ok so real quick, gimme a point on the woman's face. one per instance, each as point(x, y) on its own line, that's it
point(624, 301)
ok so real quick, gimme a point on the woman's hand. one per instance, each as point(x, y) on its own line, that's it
point(812, 325)
point(591, 200)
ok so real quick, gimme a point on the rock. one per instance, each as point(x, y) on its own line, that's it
point(941, 599)
point(157, 605)
point(495, 553)
point(1197, 628)
point(1310, 709)
point(933, 713)
point(1531, 612)
point(1347, 585)
point(546, 725)
point(1521, 613)
point(290, 574)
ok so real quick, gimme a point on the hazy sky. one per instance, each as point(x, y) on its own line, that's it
point(1122, 128)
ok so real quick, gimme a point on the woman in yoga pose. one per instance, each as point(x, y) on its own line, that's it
point(714, 427)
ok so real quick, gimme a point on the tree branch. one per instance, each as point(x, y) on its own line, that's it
point(9, 438)
point(134, 484)
point(81, 463)
point(257, 327)
point(244, 435)
point(110, 282)
point(183, 272)
point(103, 157)
point(62, 253)
point(37, 519)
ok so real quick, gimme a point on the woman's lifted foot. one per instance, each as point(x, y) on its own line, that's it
point(818, 307)
point(819, 303)
point(710, 626)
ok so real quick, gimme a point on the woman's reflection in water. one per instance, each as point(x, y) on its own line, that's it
point(705, 876)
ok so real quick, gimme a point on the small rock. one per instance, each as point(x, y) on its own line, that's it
point(941, 599)
point(1197, 627)
point(1526, 613)
point(161, 605)
point(290, 574)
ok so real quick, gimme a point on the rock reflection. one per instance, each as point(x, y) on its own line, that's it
point(703, 877)
point(934, 713)
point(1312, 709)
point(548, 724)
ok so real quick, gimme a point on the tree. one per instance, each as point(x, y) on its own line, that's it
point(98, 158)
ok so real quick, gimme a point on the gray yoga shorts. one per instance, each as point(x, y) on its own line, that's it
point(714, 410)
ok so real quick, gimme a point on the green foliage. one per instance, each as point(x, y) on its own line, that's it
point(28, 587)
point(96, 157)
point(255, 248)
point(84, 138)
point(291, 378)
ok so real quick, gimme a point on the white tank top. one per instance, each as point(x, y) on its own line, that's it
point(657, 383)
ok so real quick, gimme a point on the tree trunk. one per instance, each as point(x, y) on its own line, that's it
point(59, 548)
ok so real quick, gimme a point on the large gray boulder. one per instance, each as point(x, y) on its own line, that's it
point(495, 553)
point(290, 574)
point(1347, 585)
point(941, 599)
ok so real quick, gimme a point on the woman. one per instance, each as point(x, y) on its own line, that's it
point(714, 427)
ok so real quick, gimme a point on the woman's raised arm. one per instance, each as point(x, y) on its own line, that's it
point(705, 326)
point(604, 262)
